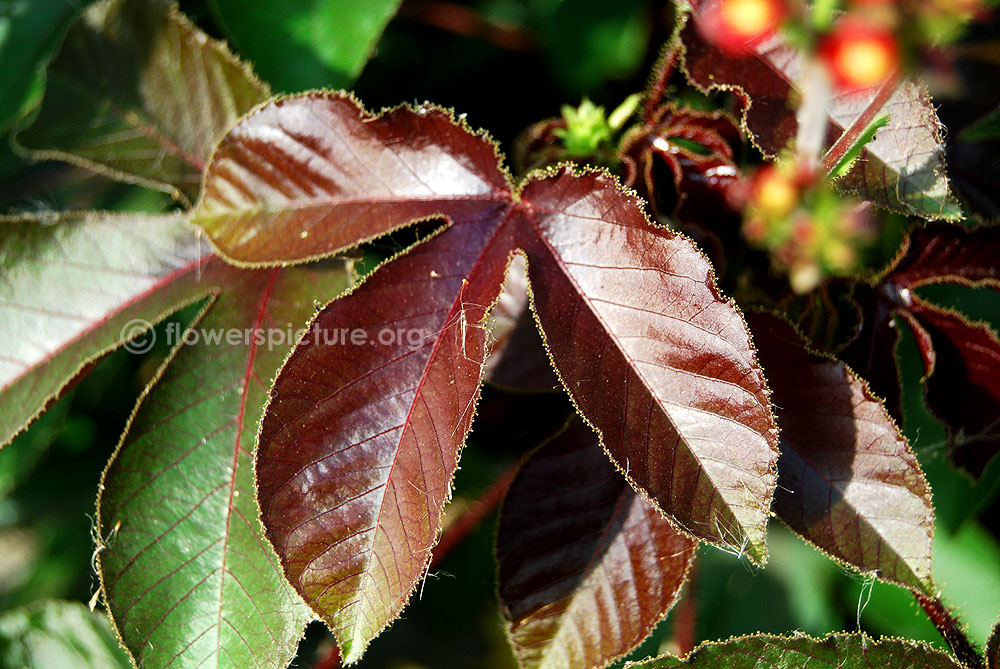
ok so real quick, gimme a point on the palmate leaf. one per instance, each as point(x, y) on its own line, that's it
point(847, 479)
point(961, 359)
point(187, 575)
point(902, 168)
point(574, 536)
point(141, 94)
point(359, 443)
point(76, 286)
point(845, 651)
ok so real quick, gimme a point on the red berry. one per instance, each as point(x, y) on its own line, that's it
point(736, 26)
point(859, 55)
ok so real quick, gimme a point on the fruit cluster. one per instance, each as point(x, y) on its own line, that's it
point(858, 45)
point(810, 230)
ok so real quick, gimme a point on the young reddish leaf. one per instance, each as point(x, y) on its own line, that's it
point(366, 421)
point(902, 168)
point(587, 568)
point(77, 286)
point(141, 94)
point(962, 382)
point(704, 199)
point(655, 359)
point(357, 449)
point(187, 575)
point(699, 177)
point(847, 480)
point(311, 175)
point(855, 651)
point(945, 253)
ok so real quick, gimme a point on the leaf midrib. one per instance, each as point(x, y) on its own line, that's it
point(241, 417)
point(158, 285)
point(642, 378)
point(365, 574)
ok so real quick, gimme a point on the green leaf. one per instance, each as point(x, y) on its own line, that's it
point(54, 633)
point(298, 45)
point(844, 651)
point(29, 32)
point(187, 574)
point(846, 161)
point(77, 286)
point(140, 94)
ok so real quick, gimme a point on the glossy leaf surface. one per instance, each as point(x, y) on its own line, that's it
point(311, 175)
point(77, 286)
point(368, 416)
point(301, 45)
point(363, 433)
point(187, 574)
point(903, 168)
point(573, 538)
point(845, 651)
point(847, 479)
point(139, 93)
point(54, 633)
point(653, 357)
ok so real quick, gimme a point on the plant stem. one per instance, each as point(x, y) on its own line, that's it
point(861, 123)
point(952, 630)
point(473, 515)
point(664, 68)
